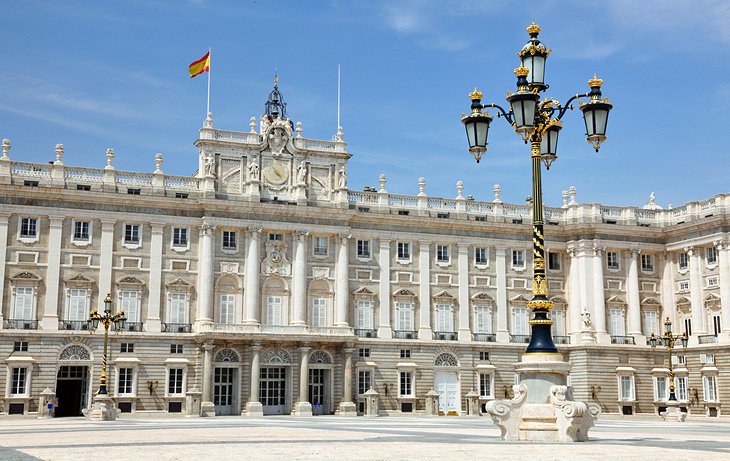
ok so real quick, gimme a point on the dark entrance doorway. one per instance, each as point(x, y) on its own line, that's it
point(72, 387)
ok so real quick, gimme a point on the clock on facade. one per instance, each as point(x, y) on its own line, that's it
point(276, 173)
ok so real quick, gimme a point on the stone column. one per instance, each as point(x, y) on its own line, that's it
point(299, 279)
point(425, 332)
point(53, 282)
point(668, 288)
point(207, 408)
point(724, 263)
point(252, 279)
point(106, 260)
point(464, 301)
point(599, 297)
point(695, 288)
point(253, 406)
point(154, 323)
point(574, 300)
point(342, 281)
point(205, 276)
point(502, 308)
point(3, 257)
point(347, 406)
point(632, 294)
point(385, 330)
point(303, 407)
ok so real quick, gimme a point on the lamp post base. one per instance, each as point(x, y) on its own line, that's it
point(103, 409)
point(673, 413)
point(540, 410)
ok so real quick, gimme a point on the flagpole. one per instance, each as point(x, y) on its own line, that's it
point(209, 66)
point(338, 97)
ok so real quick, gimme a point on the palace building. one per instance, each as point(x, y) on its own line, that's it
point(263, 285)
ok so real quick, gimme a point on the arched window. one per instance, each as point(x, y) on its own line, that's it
point(446, 359)
point(226, 355)
point(275, 301)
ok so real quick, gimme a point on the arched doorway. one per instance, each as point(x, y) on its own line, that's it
point(225, 382)
point(446, 383)
point(73, 381)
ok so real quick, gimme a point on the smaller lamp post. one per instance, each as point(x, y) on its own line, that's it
point(668, 340)
point(101, 408)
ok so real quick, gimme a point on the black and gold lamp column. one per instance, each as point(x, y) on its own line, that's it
point(539, 124)
point(107, 319)
point(668, 340)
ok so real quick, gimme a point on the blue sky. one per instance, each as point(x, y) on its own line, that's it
point(93, 75)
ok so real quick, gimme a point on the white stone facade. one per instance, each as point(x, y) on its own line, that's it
point(264, 268)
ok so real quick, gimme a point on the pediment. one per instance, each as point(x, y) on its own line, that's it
point(444, 295)
point(363, 292)
point(404, 292)
point(78, 279)
point(481, 296)
point(25, 277)
point(130, 280)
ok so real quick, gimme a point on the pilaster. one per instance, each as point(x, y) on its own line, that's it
point(303, 407)
point(385, 330)
point(599, 296)
point(3, 258)
point(154, 323)
point(464, 330)
point(632, 294)
point(106, 260)
point(205, 275)
point(253, 406)
point(206, 407)
point(502, 308)
point(251, 293)
point(53, 282)
point(695, 287)
point(299, 279)
point(724, 262)
point(342, 292)
point(424, 325)
point(347, 406)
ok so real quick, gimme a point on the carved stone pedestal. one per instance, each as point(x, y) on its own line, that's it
point(673, 414)
point(540, 410)
point(302, 409)
point(103, 409)
point(254, 409)
point(587, 337)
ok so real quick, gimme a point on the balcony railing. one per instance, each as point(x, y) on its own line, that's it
point(445, 335)
point(561, 339)
point(519, 338)
point(73, 325)
point(176, 327)
point(133, 326)
point(622, 340)
point(20, 324)
point(707, 339)
point(366, 333)
point(405, 334)
point(485, 337)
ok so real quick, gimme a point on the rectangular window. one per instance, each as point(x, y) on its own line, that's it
point(181, 195)
point(711, 256)
point(558, 318)
point(177, 313)
point(126, 347)
point(519, 321)
point(688, 326)
point(518, 259)
point(405, 353)
point(124, 383)
point(651, 322)
point(627, 388)
point(404, 250)
point(319, 312)
point(276, 237)
point(77, 303)
point(179, 237)
point(131, 233)
point(680, 387)
point(229, 240)
point(130, 302)
point(404, 319)
point(483, 355)
point(554, 261)
point(442, 253)
point(227, 308)
point(20, 346)
point(406, 384)
point(683, 261)
point(176, 348)
point(485, 385)
point(363, 249)
point(713, 282)
point(480, 256)
point(444, 318)
point(364, 314)
point(134, 191)
point(363, 352)
point(710, 386)
point(683, 286)
point(81, 231)
point(482, 319)
point(20, 381)
point(320, 246)
point(23, 309)
point(364, 381)
point(85, 187)
point(660, 388)
point(647, 263)
point(175, 382)
point(616, 324)
point(716, 324)
point(28, 227)
point(612, 260)
point(273, 310)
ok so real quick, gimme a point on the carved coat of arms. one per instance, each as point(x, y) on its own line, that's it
point(276, 261)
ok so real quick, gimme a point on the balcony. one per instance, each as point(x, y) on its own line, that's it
point(405, 334)
point(20, 324)
point(176, 327)
point(73, 325)
point(622, 340)
point(484, 337)
point(133, 326)
point(561, 339)
point(445, 335)
point(707, 339)
point(366, 333)
point(525, 339)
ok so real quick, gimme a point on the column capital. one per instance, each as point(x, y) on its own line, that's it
point(206, 228)
point(384, 243)
point(56, 221)
point(424, 245)
point(255, 346)
point(721, 244)
point(254, 232)
point(598, 250)
point(634, 252)
point(463, 246)
point(300, 235)
point(157, 227)
point(343, 238)
point(208, 346)
point(304, 347)
point(690, 250)
point(107, 224)
point(571, 250)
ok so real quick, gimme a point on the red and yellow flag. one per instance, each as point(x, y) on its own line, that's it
point(200, 66)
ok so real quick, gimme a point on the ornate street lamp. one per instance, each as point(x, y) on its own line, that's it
point(537, 122)
point(107, 319)
point(668, 339)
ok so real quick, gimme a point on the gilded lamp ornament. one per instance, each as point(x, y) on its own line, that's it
point(539, 123)
point(106, 319)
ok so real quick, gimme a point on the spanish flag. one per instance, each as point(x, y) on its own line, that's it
point(200, 66)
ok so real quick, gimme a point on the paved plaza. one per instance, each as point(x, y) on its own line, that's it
point(331, 437)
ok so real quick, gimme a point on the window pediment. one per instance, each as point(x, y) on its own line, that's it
point(25, 278)
point(179, 285)
point(444, 297)
point(130, 281)
point(484, 297)
point(79, 280)
point(363, 293)
point(519, 299)
point(404, 293)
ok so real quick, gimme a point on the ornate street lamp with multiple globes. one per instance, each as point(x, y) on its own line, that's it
point(107, 319)
point(539, 123)
point(668, 339)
